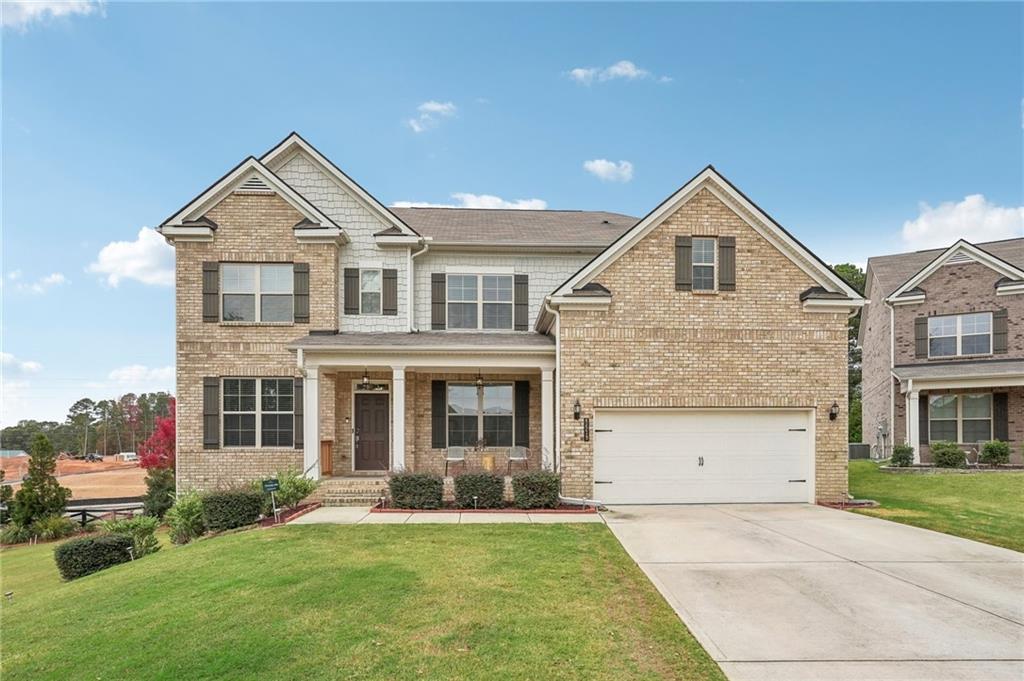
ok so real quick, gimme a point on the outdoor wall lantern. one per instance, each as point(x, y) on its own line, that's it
point(833, 411)
point(577, 410)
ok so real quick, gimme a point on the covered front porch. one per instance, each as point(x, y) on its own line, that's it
point(437, 402)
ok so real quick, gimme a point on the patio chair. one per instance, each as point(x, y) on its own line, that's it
point(519, 455)
point(454, 455)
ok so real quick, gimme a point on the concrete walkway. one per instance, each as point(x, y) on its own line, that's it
point(799, 592)
point(335, 515)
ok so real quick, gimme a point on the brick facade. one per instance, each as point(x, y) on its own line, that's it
point(658, 347)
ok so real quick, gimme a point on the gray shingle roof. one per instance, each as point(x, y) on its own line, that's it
point(891, 271)
point(440, 340)
point(980, 369)
point(514, 227)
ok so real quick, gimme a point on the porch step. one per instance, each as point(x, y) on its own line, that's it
point(359, 490)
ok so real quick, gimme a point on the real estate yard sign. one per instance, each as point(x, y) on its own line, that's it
point(272, 485)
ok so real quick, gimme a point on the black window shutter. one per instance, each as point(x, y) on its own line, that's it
point(300, 291)
point(521, 304)
point(922, 418)
point(726, 263)
point(389, 295)
point(297, 402)
point(211, 413)
point(438, 415)
point(437, 301)
point(211, 290)
point(351, 290)
point(521, 398)
point(684, 263)
point(1001, 416)
point(921, 337)
point(1000, 332)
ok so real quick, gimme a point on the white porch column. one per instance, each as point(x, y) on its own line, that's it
point(311, 423)
point(397, 418)
point(913, 424)
point(547, 418)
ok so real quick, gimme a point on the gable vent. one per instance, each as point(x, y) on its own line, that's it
point(959, 259)
point(254, 184)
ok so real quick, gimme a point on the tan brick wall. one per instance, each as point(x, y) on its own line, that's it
point(876, 376)
point(251, 228)
point(658, 347)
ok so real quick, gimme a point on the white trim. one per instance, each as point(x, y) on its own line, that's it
point(283, 152)
point(1010, 289)
point(379, 292)
point(908, 300)
point(352, 416)
point(713, 265)
point(311, 422)
point(961, 246)
point(393, 240)
point(959, 418)
point(256, 293)
point(480, 302)
point(709, 178)
point(257, 413)
point(186, 233)
point(441, 360)
point(581, 301)
point(958, 334)
point(480, 409)
point(478, 269)
point(321, 235)
point(832, 305)
point(992, 381)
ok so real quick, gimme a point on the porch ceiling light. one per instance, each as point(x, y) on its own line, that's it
point(365, 385)
point(833, 411)
point(479, 380)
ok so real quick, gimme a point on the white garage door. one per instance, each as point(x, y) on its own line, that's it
point(697, 456)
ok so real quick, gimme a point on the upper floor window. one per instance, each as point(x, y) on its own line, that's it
point(259, 412)
point(704, 264)
point(257, 292)
point(480, 301)
point(370, 291)
point(965, 334)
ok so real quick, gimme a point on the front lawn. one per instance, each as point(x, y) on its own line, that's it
point(366, 602)
point(986, 507)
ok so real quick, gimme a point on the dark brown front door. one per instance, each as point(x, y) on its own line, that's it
point(371, 432)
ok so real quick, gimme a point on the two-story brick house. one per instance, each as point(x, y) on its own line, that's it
point(943, 344)
point(697, 354)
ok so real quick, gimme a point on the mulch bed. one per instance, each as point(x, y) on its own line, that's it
point(451, 508)
point(852, 503)
point(288, 515)
point(925, 468)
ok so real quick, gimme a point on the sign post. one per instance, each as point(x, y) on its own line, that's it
point(272, 485)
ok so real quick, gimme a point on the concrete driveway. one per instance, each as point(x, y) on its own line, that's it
point(800, 592)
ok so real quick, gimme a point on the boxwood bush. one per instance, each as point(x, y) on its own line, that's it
point(227, 509)
point(416, 490)
point(947, 455)
point(995, 452)
point(536, 489)
point(80, 557)
point(902, 456)
point(488, 488)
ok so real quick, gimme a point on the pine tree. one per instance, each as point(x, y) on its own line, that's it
point(40, 494)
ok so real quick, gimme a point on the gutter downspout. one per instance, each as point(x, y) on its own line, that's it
point(892, 369)
point(557, 324)
point(410, 298)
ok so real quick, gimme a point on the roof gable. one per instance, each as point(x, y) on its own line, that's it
point(960, 252)
point(295, 144)
point(709, 178)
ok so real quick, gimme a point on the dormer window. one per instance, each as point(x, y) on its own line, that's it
point(959, 335)
point(704, 264)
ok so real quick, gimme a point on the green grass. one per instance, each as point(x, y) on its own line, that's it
point(986, 507)
point(352, 602)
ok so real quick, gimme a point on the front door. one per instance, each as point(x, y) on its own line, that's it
point(372, 433)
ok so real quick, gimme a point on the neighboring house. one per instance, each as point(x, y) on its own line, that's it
point(698, 354)
point(943, 341)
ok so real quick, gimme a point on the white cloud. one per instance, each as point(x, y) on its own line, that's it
point(609, 171)
point(430, 115)
point(464, 200)
point(39, 286)
point(148, 259)
point(138, 374)
point(16, 274)
point(25, 366)
point(620, 70)
point(974, 219)
point(20, 14)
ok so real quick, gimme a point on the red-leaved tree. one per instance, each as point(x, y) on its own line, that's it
point(158, 450)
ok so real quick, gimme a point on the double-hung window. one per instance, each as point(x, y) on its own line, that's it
point(480, 301)
point(956, 335)
point(259, 412)
point(704, 263)
point(370, 291)
point(478, 413)
point(960, 418)
point(257, 292)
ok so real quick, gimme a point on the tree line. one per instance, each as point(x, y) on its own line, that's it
point(103, 426)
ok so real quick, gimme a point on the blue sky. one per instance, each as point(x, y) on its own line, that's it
point(863, 128)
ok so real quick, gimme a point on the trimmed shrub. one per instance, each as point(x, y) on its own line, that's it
point(80, 557)
point(228, 509)
point(488, 488)
point(140, 529)
point(159, 492)
point(536, 489)
point(995, 452)
point(294, 487)
point(947, 455)
point(54, 527)
point(16, 533)
point(186, 518)
point(416, 490)
point(902, 456)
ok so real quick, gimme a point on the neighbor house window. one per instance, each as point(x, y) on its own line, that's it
point(965, 334)
point(259, 412)
point(704, 264)
point(257, 293)
point(480, 301)
point(960, 418)
point(478, 413)
point(369, 291)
